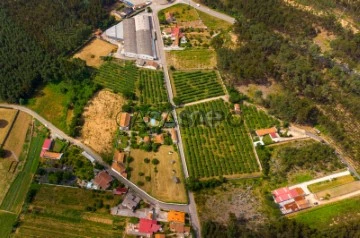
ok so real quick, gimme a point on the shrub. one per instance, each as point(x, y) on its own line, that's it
point(155, 161)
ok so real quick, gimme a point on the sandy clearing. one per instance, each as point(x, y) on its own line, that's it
point(92, 52)
point(100, 121)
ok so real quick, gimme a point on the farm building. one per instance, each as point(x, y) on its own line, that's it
point(175, 216)
point(138, 38)
point(131, 201)
point(51, 155)
point(103, 180)
point(290, 200)
point(116, 32)
point(47, 144)
point(125, 121)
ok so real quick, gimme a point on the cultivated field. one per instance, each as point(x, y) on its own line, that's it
point(16, 150)
point(161, 185)
point(192, 59)
point(339, 190)
point(7, 117)
point(152, 87)
point(6, 223)
point(332, 214)
point(100, 121)
point(16, 194)
point(317, 187)
point(51, 103)
point(214, 148)
point(118, 77)
point(257, 119)
point(197, 85)
point(58, 212)
point(93, 51)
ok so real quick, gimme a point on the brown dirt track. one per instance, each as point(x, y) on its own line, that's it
point(100, 121)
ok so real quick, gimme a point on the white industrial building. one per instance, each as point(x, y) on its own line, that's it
point(116, 32)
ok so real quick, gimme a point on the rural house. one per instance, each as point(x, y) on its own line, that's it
point(148, 226)
point(102, 180)
point(51, 155)
point(125, 119)
point(174, 135)
point(118, 164)
point(159, 139)
point(131, 201)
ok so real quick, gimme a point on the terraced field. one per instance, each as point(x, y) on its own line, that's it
point(215, 147)
point(152, 87)
point(117, 77)
point(197, 85)
point(61, 212)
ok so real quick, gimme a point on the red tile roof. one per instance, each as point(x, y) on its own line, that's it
point(148, 226)
point(119, 191)
point(47, 144)
point(273, 135)
point(103, 180)
point(51, 155)
point(284, 194)
point(263, 132)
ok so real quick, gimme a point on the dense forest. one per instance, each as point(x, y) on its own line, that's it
point(275, 44)
point(37, 35)
point(236, 227)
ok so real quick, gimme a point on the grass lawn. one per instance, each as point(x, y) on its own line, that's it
point(323, 216)
point(17, 192)
point(317, 187)
point(161, 185)
point(214, 23)
point(6, 223)
point(192, 59)
point(51, 103)
point(59, 145)
point(300, 177)
point(62, 212)
point(182, 12)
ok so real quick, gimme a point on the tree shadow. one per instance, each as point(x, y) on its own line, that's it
point(3, 123)
point(6, 154)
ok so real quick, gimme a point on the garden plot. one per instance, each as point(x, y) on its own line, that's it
point(152, 87)
point(223, 148)
point(197, 85)
point(117, 77)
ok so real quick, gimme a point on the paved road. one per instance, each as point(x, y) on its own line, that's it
point(55, 131)
point(162, 58)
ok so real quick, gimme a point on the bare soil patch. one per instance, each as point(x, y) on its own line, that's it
point(216, 204)
point(162, 185)
point(92, 52)
point(323, 40)
point(250, 89)
point(340, 190)
point(100, 121)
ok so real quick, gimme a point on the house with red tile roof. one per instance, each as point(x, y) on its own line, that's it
point(148, 226)
point(103, 180)
point(51, 155)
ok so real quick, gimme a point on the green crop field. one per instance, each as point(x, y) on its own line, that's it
point(117, 77)
point(197, 85)
point(63, 212)
point(257, 119)
point(323, 216)
point(6, 223)
point(214, 148)
point(17, 192)
point(192, 59)
point(152, 87)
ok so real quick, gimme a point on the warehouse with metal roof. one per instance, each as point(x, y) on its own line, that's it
point(138, 38)
point(116, 32)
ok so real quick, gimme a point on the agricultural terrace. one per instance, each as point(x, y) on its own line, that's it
point(192, 59)
point(16, 146)
point(214, 150)
point(71, 212)
point(334, 213)
point(257, 119)
point(152, 87)
point(92, 52)
point(16, 194)
point(158, 179)
point(197, 85)
point(6, 121)
point(118, 77)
